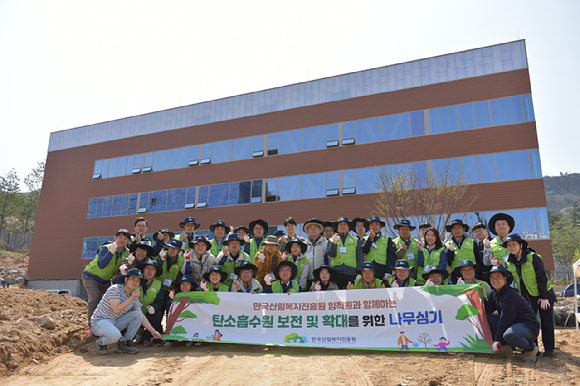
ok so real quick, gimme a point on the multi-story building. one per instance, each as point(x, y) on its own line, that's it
point(305, 150)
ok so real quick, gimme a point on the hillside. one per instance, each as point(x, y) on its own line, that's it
point(562, 190)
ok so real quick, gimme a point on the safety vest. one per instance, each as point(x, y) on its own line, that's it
point(430, 258)
point(410, 281)
point(528, 274)
point(150, 295)
point(463, 253)
point(348, 258)
point(147, 240)
point(254, 247)
point(173, 271)
point(222, 288)
point(300, 264)
point(499, 252)
point(111, 268)
point(215, 250)
point(277, 287)
point(377, 283)
point(378, 254)
point(411, 249)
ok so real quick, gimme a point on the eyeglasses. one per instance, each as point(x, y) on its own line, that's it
point(496, 278)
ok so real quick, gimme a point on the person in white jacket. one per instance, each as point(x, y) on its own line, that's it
point(245, 282)
point(200, 261)
point(317, 246)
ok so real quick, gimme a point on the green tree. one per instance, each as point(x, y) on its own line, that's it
point(10, 197)
point(565, 240)
point(30, 200)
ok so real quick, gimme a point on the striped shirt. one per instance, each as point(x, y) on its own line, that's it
point(104, 309)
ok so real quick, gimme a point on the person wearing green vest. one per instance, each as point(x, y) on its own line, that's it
point(435, 276)
point(431, 252)
point(213, 280)
point(151, 298)
point(232, 256)
point(367, 279)
point(186, 284)
point(406, 245)
point(527, 269)
point(465, 273)
point(245, 283)
point(171, 262)
point(379, 248)
point(257, 229)
point(140, 234)
point(140, 251)
point(345, 253)
point(161, 238)
point(401, 277)
point(219, 229)
point(188, 235)
point(324, 279)
point(461, 248)
point(284, 273)
point(99, 272)
point(295, 252)
point(501, 225)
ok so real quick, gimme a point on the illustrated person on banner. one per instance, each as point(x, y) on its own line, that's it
point(403, 341)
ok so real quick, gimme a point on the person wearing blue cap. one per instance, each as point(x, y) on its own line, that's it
point(460, 248)
point(529, 273)
point(231, 256)
point(219, 229)
point(245, 282)
point(402, 276)
point(345, 253)
point(367, 279)
point(405, 244)
point(188, 235)
point(379, 248)
point(200, 261)
point(152, 297)
point(161, 238)
point(113, 316)
point(465, 274)
point(515, 323)
point(171, 263)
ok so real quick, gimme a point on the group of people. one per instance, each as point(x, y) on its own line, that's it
point(148, 272)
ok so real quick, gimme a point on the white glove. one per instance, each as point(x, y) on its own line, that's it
point(284, 256)
point(203, 285)
point(544, 304)
point(395, 284)
point(335, 238)
point(422, 243)
point(113, 247)
point(162, 255)
point(486, 242)
point(247, 238)
point(261, 257)
point(387, 276)
point(130, 259)
point(460, 281)
point(123, 269)
point(150, 310)
point(429, 283)
point(496, 347)
point(317, 286)
point(187, 256)
point(494, 261)
point(451, 247)
point(234, 277)
point(358, 277)
point(268, 279)
point(172, 294)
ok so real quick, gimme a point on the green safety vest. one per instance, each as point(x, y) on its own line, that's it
point(173, 272)
point(150, 295)
point(111, 269)
point(411, 249)
point(348, 258)
point(410, 281)
point(379, 254)
point(300, 263)
point(222, 288)
point(499, 252)
point(277, 287)
point(254, 247)
point(430, 258)
point(463, 253)
point(358, 284)
point(147, 241)
point(214, 247)
point(528, 274)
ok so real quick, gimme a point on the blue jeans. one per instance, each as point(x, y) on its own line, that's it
point(109, 330)
point(520, 336)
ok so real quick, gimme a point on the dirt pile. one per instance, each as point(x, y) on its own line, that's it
point(23, 341)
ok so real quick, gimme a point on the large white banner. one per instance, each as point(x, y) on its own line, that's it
point(436, 318)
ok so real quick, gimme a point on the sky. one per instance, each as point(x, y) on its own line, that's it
point(65, 64)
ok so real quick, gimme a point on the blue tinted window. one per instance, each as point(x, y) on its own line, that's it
point(100, 203)
point(543, 225)
point(234, 193)
point(148, 160)
point(180, 158)
point(130, 162)
point(143, 200)
point(332, 180)
point(162, 160)
point(272, 141)
point(368, 130)
point(505, 111)
point(347, 130)
point(92, 207)
point(221, 152)
point(90, 246)
point(289, 188)
point(203, 194)
point(487, 168)
point(138, 162)
point(349, 178)
point(481, 114)
point(125, 204)
point(417, 123)
point(466, 120)
point(471, 169)
point(314, 138)
point(117, 201)
point(443, 120)
point(158, 201)
point(420, 175)
point(535, 163)
point(525, 220)
point(206, 151)
point(243, 148)
point(240, 193)
point(132, 204)
point(176, 199)
point(528, 108)
point(271, 187)
point(332, 132)
point(259, 142)
point(107, 206)
point(121, 166)
point(257, 189)
point(219, 195)
point(112, 168)
point(290, 142)
point(367, 180)
point(313, 185)
point(190, 196)
point(194, 153)
point(513, 165)
point(98, 167)
point(396, 126)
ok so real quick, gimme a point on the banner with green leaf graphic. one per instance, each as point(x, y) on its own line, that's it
point(436, 318)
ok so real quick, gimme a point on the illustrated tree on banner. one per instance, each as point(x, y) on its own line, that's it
point(182, 301)
point(424, 338)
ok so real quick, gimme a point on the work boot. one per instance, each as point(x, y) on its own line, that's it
point(506, 352)
point(147, 342)
point(549, 354)
point(102, 349)
point(530, 356)
point(125, 347)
